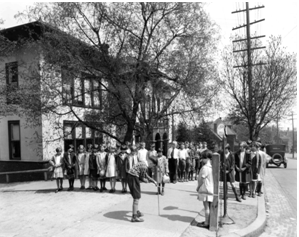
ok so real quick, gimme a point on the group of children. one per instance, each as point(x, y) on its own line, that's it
point(100, 163)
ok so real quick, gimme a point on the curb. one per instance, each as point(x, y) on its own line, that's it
point(258, 225)
point(254, 229)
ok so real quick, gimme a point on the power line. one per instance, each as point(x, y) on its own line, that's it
point(290, 31)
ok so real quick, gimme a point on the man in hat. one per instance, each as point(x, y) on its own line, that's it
point(228, 166)
point(69, 160)
point(173, 160)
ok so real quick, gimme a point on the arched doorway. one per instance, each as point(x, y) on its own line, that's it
point(165, 144)
point(157, 141)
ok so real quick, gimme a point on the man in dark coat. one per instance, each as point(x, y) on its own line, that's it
point(228, 161)
point(69, 159)
point(243, 168)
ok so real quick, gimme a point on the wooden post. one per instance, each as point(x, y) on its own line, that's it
point(214, 204)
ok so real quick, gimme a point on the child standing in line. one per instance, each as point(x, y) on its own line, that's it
point(160, 170)
point(58, 165)
point(81, 162)
point(101, 165)
point(121, 167)
point(93, 169)
point(70, 160)
point(111, 168)
point(86, 171)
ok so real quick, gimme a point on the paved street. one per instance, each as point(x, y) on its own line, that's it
point(281, 197)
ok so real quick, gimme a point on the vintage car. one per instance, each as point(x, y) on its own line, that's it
point(277, 154)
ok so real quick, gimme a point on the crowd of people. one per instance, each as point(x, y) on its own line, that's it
point(184, 162)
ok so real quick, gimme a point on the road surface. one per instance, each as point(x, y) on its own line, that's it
point(281, 200)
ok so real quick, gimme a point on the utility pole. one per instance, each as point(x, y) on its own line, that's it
point(248, 49)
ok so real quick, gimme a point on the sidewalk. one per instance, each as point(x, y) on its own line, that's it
point(33, 209)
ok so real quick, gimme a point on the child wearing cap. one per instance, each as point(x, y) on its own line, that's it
point(160, 170)
point(81, 162)
point(58, 165)
point(121, 167)
point(111, 168)
point(101, 165)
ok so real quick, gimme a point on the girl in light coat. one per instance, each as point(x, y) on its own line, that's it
point(160, 170)
point(205, 187)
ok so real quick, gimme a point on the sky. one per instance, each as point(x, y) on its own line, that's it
point(280, 19)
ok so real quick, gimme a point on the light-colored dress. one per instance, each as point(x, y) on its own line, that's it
point(58, 171)
point(86, 167)
point(81, 163)
point(101, 162)
point(111, 165)
point(160, 169)
point(205, 173)
point(263, 165)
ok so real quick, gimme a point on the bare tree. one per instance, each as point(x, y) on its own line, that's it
point(273, 85)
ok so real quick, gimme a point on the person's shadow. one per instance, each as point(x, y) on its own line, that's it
point(119, 215)
point(187, 219)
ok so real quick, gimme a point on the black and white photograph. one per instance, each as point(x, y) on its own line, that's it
point(148, 119)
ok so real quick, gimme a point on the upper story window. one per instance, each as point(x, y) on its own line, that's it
point(83, 90)
point(12, 82)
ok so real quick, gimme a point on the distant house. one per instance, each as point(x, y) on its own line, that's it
point(220, 128)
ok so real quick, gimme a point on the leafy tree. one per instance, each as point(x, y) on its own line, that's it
point(127, 48)
point(270, 92)
point(203, 133)
point(183, 133)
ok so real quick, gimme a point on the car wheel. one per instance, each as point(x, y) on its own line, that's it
point(285, 165)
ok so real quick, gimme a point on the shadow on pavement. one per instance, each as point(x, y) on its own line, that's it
point(170, 208)
point(187, 219)
point(118, 215)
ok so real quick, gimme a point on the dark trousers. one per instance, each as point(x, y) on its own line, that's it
point(173, 166)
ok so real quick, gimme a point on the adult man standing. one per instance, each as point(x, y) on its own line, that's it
point(173, 160)
point(263, 161)
point(228, 164)
point(142, 153)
